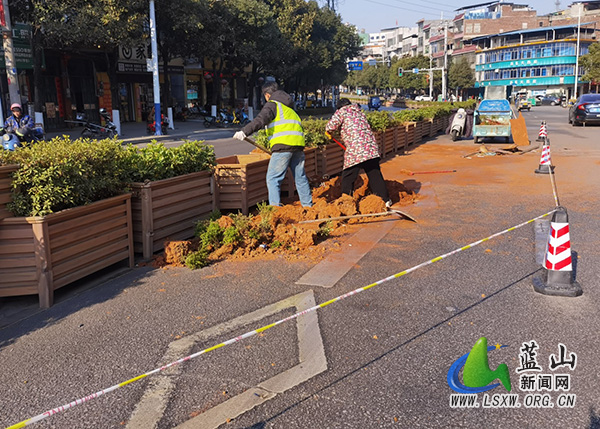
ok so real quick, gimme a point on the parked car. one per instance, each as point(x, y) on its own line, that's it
point(423, 98)
point(549, 100)
point(586, 109)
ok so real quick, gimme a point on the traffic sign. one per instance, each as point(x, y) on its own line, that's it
point(372, 62)
point(355, 65)
point(415, 70)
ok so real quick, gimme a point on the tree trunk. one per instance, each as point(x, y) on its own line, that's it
point(166, 93)
point(38, 53)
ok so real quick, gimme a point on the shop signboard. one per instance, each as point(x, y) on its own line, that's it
point(21, 46)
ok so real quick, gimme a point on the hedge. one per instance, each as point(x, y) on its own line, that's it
point(61, 173)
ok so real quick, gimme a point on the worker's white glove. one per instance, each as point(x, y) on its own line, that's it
point(240, 135)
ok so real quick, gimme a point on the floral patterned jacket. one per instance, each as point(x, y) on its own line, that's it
point(357, 135)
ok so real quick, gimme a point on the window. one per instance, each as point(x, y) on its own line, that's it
point(477, 28)
point(469, 28)
point(524, 25)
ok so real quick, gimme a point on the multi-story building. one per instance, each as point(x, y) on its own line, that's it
point(400, 41)
point(539, 60)
point(488, 18)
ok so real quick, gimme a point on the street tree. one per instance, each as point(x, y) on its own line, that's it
point(460, 75)
point(177, 29)
point(409, 82)
point(591, 63)
point(79, 25)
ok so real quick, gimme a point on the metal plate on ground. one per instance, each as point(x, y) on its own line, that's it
point(329, 271)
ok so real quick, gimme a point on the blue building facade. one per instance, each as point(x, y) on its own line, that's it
point(541, 60)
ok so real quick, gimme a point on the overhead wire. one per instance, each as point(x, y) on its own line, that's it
point(402, 8)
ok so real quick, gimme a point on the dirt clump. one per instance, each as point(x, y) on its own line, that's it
point(177, 251)
point(371, 204)
point(225, 222)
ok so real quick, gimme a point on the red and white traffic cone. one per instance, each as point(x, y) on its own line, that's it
point(543, 134)
point(557, 277)
point(545, 161)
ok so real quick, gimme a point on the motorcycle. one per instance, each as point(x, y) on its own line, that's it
point(240, 117)
point(458, 124)
point(91, 130)
point(12, 140)
point(223, 119)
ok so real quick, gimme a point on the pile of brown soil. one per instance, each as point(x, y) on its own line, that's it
point(287, 236)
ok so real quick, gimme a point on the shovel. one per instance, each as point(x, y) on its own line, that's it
point(391, 211)
point(253, 143)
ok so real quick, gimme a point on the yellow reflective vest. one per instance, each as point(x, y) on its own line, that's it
point(286, 128)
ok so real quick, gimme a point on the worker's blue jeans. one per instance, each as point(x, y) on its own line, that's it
point(278, 165)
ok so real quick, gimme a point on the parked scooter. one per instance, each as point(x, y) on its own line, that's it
point(240, 117)
point(91, 130)
point(458, 124)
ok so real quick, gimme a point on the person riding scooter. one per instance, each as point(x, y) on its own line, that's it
point(21, 125)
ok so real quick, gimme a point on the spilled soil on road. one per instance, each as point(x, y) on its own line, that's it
point(278, 231)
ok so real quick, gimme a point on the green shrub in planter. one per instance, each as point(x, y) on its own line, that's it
point(407, 115)
point(314, 133)
point(157, 162)
point(379, 121)
point(61, 174)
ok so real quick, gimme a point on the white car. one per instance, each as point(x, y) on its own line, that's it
point(423, 98)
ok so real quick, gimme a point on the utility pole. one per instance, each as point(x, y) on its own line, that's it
point(445, 61)
point(9, 56)
point(430, 75)
point(577, 51)
point(155, 79)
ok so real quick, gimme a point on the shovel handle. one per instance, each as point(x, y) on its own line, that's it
point(333, 138)
point(253, 143)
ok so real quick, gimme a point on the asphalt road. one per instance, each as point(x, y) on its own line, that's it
point(388, 350)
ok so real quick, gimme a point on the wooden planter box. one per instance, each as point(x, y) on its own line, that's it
point(418, 131)
point(426, 127)
point(389, 143)
point(310, 167)
point(330, 160)
point(43, 253)
point(169, 209)
point(445, 123)
point(380, 142)
point(438, 125)
point(240, 181)
point(411, 132)
point(6, 172)
point(401, 137)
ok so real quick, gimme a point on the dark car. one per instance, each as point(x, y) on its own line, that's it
point(374, 103)
point(585, 110)
point(549, 100)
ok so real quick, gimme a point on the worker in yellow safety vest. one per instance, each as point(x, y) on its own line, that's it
point(286, 142)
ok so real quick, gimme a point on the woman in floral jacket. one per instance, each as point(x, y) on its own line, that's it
point(361, 149)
